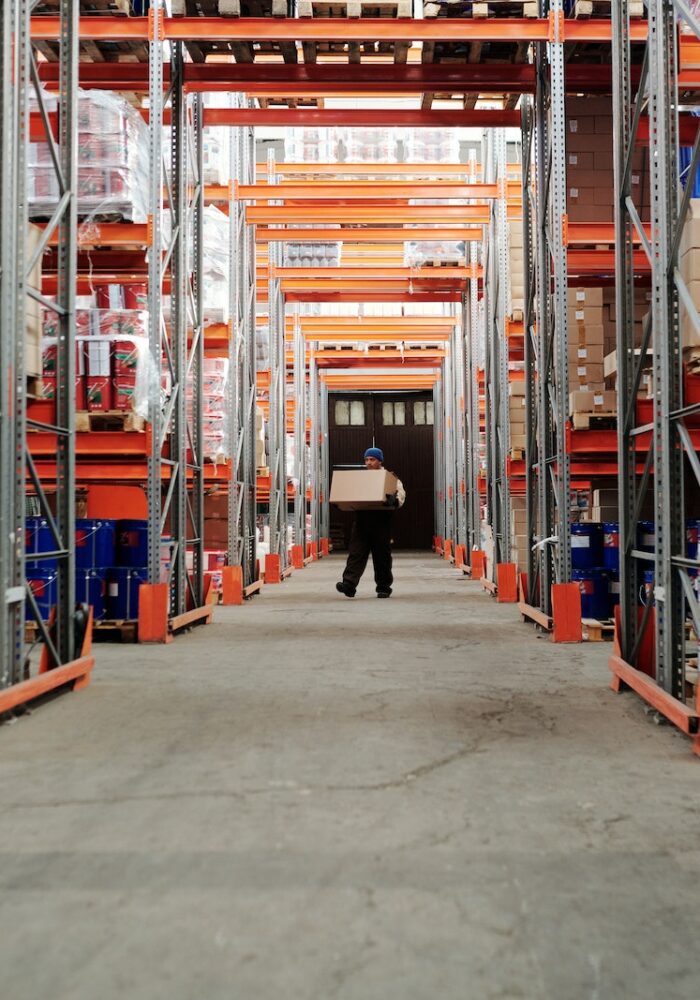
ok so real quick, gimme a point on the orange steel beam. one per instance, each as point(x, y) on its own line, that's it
point(383, 296)
point(377, 338)
point(358, 190)
point(407, 285)
point(360, 117)
point(430, 170)
point(376, 322)
point(602, 262)
point(393, 234)
point(252, 29)
point(371, 216)
point(416, 273)
point(384, 380)
point(109, 234)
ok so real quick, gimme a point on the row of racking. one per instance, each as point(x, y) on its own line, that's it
point(534, 65)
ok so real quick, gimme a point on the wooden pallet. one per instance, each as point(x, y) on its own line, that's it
point(262, 472)
point(595, 631)
point(601, 8)
point(242, 51)
point(117, 630)
point(356, 9)
point(34, 386)
point(490, 8)
point(594, 421)
point(109, 420)
point(91, 50)
point(517, 454)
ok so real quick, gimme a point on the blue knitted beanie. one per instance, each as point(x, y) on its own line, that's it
point(375, 453)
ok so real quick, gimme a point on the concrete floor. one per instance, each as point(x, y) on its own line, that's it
point(332, 799)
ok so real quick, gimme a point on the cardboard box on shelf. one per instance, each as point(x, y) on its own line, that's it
point(581, 297)
point(601, 514)
point(604, 497)
point(592, 402)
point(362, 489)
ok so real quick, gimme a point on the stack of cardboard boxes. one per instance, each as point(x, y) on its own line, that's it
point(690, 272)
point(587, 393)
point(590, 178)
point(516, 265)
point(516, 413)
point(260, 456)
point(519, 542)
point(32, 309)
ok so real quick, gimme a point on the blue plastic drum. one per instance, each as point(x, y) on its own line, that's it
point(123, 584)
point(91, 588)
point(586, 545)
point(611, 545)
point(595, 599)
point(43, 584)
point(39, 538)
point(646, 536)
point(132, 543)
point(95, 543)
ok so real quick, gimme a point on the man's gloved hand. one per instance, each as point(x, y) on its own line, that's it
point(392, 500)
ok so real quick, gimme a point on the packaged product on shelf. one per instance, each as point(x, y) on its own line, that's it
point(215, 423)
point(418, 253)
point(370, 145)
point(313, 254)
point(113, 164)
point(431, 145)
point(215, 156)
point(311, 145)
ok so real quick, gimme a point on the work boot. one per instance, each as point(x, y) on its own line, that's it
point(384, 593)
point(345, 588)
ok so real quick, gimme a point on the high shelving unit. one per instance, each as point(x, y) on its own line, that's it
point(467, 361)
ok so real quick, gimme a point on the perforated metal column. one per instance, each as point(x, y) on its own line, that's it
point(242, 352)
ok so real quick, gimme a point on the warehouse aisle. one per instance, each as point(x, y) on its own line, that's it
point(324, 798)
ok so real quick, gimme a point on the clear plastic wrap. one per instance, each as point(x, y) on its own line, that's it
point(114, 372)
point(262, 346)
point(417, 253)
point(311, 145)
point(371, 145)
point(313, 254)
point(431, 145)
point(113, 164)
point(216, 439)
point(215, 156)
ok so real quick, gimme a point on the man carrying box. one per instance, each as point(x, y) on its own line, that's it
point(371, 532)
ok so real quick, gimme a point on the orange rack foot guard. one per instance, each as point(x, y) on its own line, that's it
point(154, 606)
point(298, 556)
point(273, 568)
point(448, 549)
point(232, 585)
point(312, 550)
point(507, 580)
point(478, 563)
point(460, 553)
point(566, 613)
point(325, 546)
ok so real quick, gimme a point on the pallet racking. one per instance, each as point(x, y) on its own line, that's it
point(536, 60)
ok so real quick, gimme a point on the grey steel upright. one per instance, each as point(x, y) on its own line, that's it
point(14, 59)
point(672, 310)
point(242, 355)
point(18, 62)
point(277, 428)
point(548, 463)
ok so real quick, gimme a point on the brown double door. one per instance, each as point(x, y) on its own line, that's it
point(401, 424)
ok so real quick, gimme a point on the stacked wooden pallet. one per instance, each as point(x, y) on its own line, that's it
point(355, 51)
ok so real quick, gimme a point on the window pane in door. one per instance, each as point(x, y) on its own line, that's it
point(357, 413)
point(419, 412)
point(387, 414)
point(400, 414)
point(342, 413)
point(430, 412)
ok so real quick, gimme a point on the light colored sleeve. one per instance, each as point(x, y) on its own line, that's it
point(400, 493)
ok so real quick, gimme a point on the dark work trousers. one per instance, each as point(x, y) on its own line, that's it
point(371, 532)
